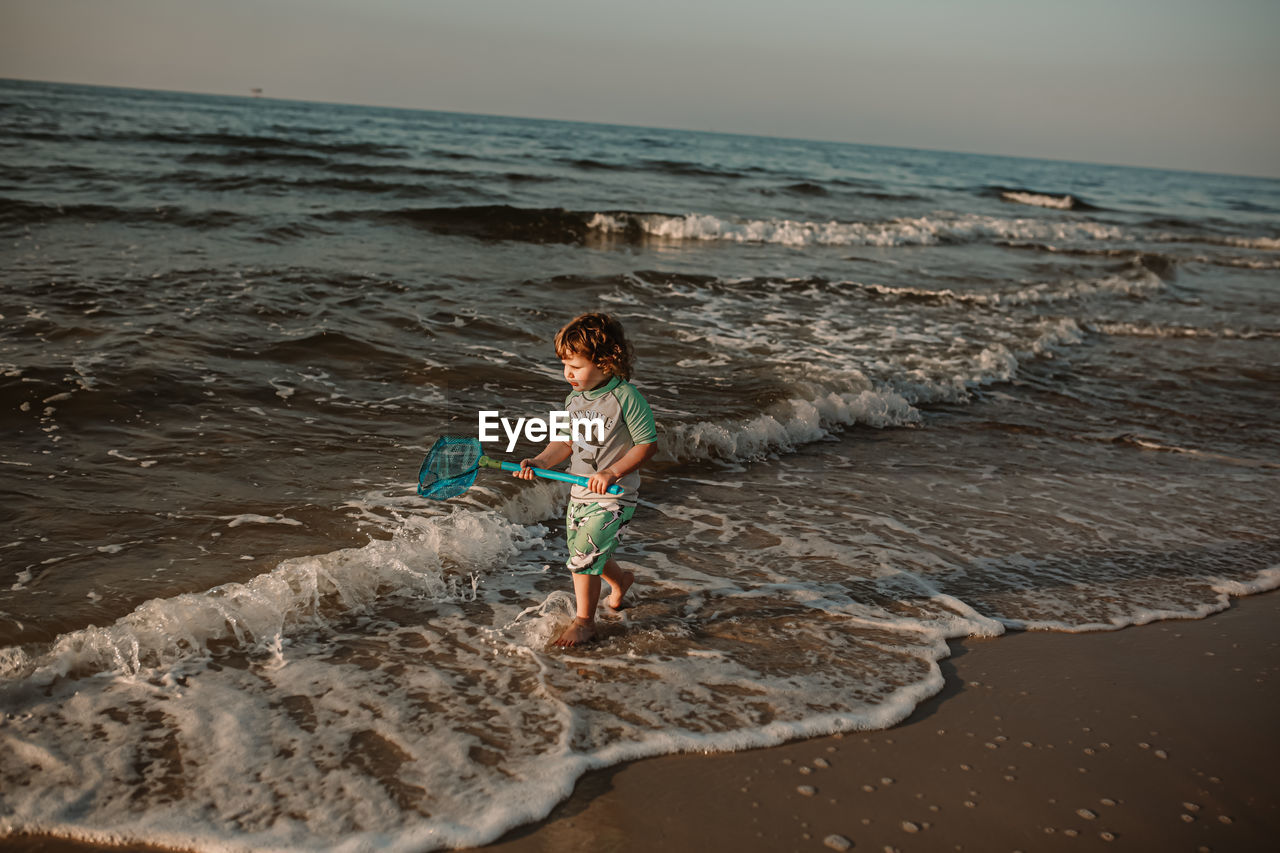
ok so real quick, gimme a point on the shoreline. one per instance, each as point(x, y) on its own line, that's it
point(1154, 737)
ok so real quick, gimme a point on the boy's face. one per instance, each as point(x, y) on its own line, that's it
point(581, 373)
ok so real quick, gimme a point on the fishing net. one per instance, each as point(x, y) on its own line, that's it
point(450, 468)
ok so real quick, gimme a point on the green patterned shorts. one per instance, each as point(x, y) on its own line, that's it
point(593, 533)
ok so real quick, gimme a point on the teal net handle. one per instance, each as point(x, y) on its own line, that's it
point(486, 462)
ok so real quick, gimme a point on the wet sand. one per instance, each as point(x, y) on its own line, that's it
point(1164, 737)
point(1158, 738)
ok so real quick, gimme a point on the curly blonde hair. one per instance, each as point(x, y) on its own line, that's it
point(599, 338)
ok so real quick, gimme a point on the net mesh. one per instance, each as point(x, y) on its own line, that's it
point(449, 469)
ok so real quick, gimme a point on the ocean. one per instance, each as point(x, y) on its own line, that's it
point(904, 397)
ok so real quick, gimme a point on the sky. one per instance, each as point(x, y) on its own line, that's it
point(1182, 84)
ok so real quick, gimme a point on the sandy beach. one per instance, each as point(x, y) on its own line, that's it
point(1160, 737)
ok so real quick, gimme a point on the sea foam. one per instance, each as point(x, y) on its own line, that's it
point(302, 592)
point(906, 231)
point(1059, 202)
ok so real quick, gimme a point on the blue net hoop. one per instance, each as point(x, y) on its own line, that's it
point(450, 468)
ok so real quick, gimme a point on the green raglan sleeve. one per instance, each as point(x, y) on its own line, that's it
point(637, 415)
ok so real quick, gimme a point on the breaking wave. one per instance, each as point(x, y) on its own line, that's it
point(1035, 198)
point(906, 231)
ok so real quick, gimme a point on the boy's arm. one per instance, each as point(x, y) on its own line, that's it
point(552, 455)
point(635, 457)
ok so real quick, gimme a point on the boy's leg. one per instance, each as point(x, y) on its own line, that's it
point(592, 534)
point(586, 591)
point(620, 580)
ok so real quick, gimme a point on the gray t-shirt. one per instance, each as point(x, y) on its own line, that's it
point(628, 421)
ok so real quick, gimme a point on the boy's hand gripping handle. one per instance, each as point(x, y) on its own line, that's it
point(486, 462)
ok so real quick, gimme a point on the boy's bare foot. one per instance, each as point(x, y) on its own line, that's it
point(620, 589)
point(580, 632)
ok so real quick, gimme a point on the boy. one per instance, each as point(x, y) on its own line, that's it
point(597, 364)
